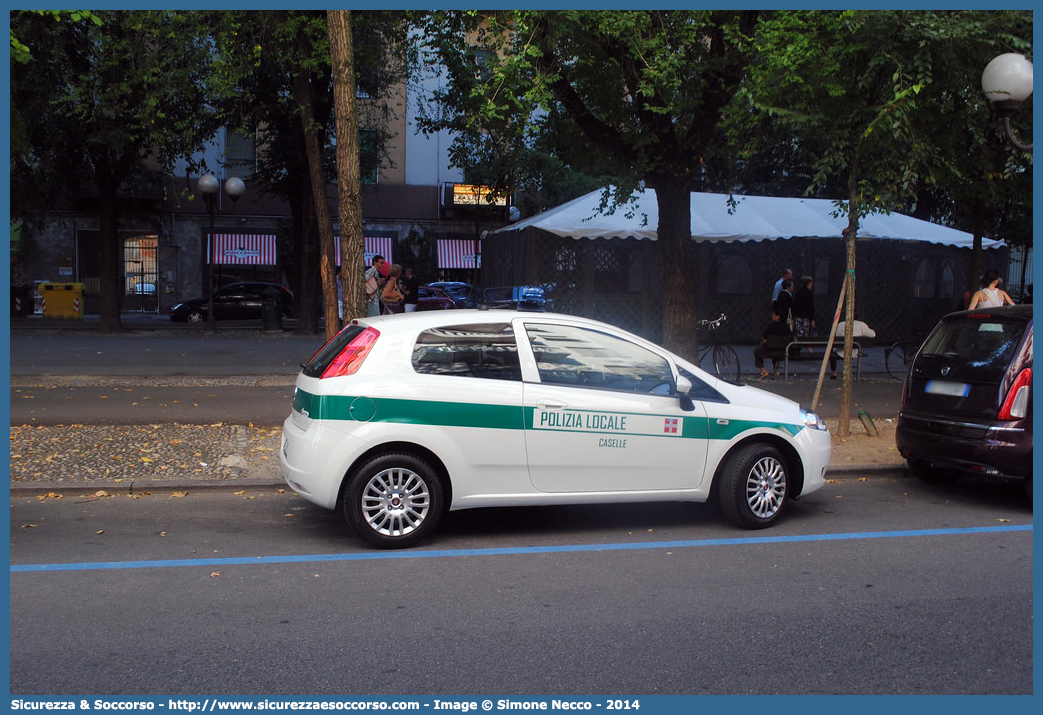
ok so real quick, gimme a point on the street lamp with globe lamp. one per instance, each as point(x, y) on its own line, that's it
point(1007, 82)
point(208, 187)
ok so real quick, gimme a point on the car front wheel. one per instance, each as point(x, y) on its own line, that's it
point(196, 316)
point(754, 487)
point(394, 501)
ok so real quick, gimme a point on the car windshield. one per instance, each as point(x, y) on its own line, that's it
point(987, 343)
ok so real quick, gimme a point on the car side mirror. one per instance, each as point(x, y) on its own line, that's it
point(684, 386)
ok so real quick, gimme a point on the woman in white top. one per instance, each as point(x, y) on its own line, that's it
point(991, 295)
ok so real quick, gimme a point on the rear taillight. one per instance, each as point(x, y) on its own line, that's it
point(1016, 403)
point(352, 356)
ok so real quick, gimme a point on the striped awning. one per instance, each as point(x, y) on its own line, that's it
point(243, 249)
point(459, 253)
point(375, 246)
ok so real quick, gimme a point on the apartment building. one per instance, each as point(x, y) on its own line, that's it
point(417, 210)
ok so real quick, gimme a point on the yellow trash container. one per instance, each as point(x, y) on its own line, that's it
point(62, 300)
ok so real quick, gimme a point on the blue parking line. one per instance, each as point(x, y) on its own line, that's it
point(514, 551)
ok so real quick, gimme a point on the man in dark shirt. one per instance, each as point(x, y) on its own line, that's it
point(411, 290)
point(784, 303)
point(773, 344)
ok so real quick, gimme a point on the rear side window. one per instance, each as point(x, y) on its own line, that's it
point(487, 350)
point(984, 345)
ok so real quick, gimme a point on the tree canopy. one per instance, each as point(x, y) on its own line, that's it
point(629, 98)
point(105, 107)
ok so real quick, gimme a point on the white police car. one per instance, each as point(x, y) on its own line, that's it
point(399, 418)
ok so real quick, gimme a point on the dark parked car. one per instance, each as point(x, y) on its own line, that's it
point(464, 295)
point(238, 301)
point(431, 298)
point(517, 297)
point(967, 401)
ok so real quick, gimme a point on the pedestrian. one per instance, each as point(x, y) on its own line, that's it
point(372, 281)
point(804, 309)
point(410, 285)
point(783, 305)
point(777, 335)
point(787, 273)
point(859, 329)
point(391, 296)
point(990, 295)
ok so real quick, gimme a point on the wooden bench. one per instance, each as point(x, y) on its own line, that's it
point(794, 351)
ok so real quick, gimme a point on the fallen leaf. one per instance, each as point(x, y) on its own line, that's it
point(215, 574)
point(28, 526)
point(178, 495)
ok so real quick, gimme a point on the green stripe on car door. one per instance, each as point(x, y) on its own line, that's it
point(467, 414)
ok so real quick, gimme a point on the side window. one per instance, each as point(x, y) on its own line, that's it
point(582, 357)
point(488, 350)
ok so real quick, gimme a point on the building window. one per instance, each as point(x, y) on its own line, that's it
point(821, 277)
point(732, 276)
point(240, 154)
point(947, 285)
point(925, 279)
point(369, 156)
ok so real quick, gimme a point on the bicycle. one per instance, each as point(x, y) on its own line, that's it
point(725, 359)
point(898, 356)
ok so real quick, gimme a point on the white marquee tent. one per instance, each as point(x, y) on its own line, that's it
point(745, 218)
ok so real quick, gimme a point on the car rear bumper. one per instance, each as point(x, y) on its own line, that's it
point(314, 459)
point(1000, 449)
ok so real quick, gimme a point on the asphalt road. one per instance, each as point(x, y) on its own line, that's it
point(875, 586)
point(135, 403)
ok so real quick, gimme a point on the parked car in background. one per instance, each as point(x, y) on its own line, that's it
point(517, 297)
point(967, 400)
point(464, 295)
point(237, 301)
point(398, 419)
point(431, 298)
point(142, 289)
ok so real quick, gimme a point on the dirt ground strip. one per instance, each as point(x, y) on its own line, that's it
point(74, 453)
point(161, 452)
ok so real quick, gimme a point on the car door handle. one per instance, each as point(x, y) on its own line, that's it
point(550, 405)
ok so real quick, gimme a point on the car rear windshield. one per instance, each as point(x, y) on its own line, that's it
point(984, 344)
point(321, 360)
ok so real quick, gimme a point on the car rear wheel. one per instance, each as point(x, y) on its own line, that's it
point(754, 487)
point(394, 501)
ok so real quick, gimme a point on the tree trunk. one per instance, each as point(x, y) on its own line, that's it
point(110, 275)
point(352, 243)
point(844, 427)
point(317, 182)
point(307, 263)
point(678, 275)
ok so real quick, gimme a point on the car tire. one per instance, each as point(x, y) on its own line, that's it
point(393, 501)
point(195, 316)
point(754, 486)
point(930, 474)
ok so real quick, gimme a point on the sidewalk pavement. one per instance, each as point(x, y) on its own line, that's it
point(88, 458)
